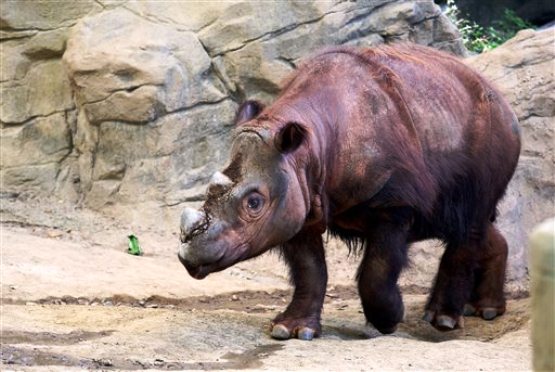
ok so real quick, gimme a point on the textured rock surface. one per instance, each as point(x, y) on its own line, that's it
point(145, 93)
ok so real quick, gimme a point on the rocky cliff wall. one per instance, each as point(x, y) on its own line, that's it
point(131, 102)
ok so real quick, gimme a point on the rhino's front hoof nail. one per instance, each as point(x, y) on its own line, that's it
point(469, 310)
point(306, 334)
point(428, 316)
point(444, 322)
point(280, 332)
point(489, 313)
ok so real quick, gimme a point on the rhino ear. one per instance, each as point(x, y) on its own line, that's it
point(290, 137)
point(248, 111)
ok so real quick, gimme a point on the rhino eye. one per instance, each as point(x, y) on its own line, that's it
point(254, 203)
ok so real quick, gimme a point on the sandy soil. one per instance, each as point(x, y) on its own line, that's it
point(73, 299)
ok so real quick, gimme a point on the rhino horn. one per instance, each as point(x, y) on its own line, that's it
point(190, 220)
point(220, 179)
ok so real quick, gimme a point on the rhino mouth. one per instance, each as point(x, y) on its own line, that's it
point(201, 271)
point(197, 272)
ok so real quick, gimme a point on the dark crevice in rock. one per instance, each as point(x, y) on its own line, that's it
point(115, 174)
point(273, 34)
point(206, 26)
point(129, 89)
point(44, 54)
point(37, 29)
point(71, 148)
point(30, 165)
point(367, 11)
point(156, 20)
point(6, 35)
point(197, 105)
point(5, 124)
point(235, 93)
point(34, 61)
point(430, 18)
point(99, 3)
point(287, 61)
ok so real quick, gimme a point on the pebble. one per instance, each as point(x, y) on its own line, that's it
point(54, 233)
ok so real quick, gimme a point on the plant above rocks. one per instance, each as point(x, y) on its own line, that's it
point(478, 39)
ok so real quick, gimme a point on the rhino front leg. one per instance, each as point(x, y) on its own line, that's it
point(305, 256)
point(384, 257)
point(469, 281)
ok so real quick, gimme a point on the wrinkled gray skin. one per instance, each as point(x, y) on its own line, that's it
point(228, 229)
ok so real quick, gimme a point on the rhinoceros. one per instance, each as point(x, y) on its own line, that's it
point(380, 147)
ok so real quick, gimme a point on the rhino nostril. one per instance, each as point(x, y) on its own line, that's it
point(184, 237)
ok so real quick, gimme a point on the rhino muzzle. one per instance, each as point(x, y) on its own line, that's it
point(195, 252)
point(189, 261)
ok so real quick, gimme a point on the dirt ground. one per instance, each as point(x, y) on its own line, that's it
point(73, 299)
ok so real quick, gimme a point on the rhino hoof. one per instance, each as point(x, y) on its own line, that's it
point(488, 313)
point(445, 322)
point(469, 310)
point(306, 334)
point(428, 316)
point(280, 332)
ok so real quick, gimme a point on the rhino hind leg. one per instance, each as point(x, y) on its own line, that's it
point(469, 281)
point(487, 299)
point(385, 254)
point(305, 256)
point(453, 287)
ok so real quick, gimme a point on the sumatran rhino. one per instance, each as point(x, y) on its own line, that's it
point(381, 147)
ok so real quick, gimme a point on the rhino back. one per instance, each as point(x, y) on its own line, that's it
point(407, 115)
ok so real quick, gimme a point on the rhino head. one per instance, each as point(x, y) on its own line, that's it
point(259, 201)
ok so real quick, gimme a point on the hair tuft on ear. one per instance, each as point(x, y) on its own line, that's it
point(290, 137)
point(248, 111)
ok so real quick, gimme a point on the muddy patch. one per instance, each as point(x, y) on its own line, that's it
point(19, 356)
point(248, 301)
point(49, 338)
point(350, 327)
point(35, 357)
point(348, 322)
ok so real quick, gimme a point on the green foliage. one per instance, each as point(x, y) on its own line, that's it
point(479, 39)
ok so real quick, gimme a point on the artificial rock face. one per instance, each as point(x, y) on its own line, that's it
point(140, 106)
